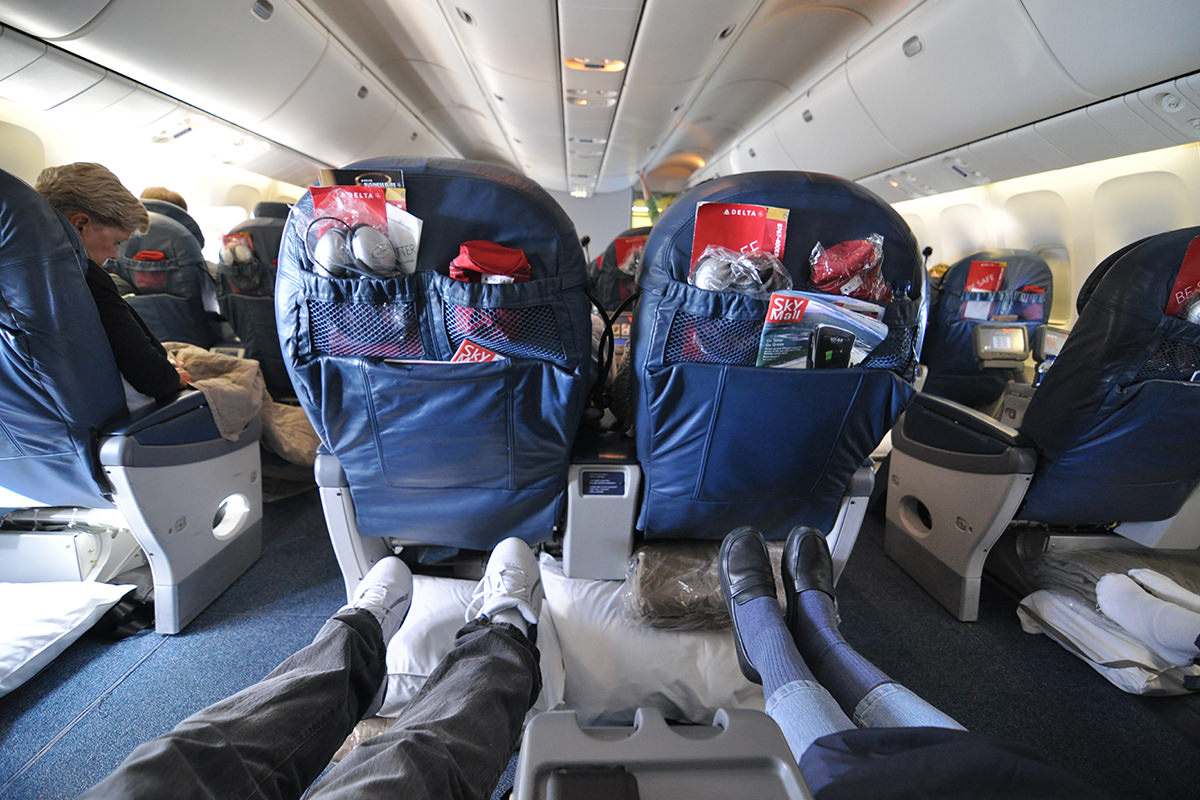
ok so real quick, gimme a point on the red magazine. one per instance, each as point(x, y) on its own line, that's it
point(1187, 282)
point(739, 227)
point(472, 352)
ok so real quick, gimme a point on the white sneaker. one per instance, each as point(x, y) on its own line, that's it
point(511, 580)
point(386, 592)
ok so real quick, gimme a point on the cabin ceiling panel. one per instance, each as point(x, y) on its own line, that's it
point(597, 29)
point(512, 36)
point(789, 42)
point(1080, 137)
point(1109, 50)
point(520, 101)
point(1124, 125)
point(677, 40)
point(216, 55)
point(1040, 155)
point(931, 87)
point(97, 97)
point(1175, 107)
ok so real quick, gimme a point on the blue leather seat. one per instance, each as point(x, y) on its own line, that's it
point(1026, 293)
point(191, 498)
point(246, 290)
point(420, 450)
point(724, 443)
point(1109, 437)
point(176, 295)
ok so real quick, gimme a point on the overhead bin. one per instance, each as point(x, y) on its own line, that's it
point(17, 51)
point(51, 20)
point(1112, 48)
point(760, 151)
point(246, 71)
point(335, 113)
point(403, 135)
point(49, 78)
point(827, 130)
point(952, 72)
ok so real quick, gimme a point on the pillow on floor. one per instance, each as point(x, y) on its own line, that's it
point(615, 664)
point(437, 612)
point(40, 620)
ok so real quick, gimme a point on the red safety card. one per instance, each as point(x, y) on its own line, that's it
point(739, 227)
point(985, 276)
point(1187, 282)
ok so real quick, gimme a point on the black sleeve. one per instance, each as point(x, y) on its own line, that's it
point(140, 357)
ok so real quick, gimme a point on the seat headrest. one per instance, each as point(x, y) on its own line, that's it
point(823, 209)
point(270, 209)
point(176, 213)
point(1022, 268)
point(167, 236)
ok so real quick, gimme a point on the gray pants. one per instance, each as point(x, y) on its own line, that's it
point(272, 739)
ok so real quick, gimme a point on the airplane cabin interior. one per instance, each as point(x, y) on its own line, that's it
point(615, 278)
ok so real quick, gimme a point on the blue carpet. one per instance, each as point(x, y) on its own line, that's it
point(71, 724)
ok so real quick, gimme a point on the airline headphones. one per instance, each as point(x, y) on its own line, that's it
point(353, 249)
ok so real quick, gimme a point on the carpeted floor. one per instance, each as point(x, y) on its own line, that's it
point(79, 718)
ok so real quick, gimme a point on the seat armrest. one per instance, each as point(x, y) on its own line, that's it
point(177, 432)
point(942, 432)
point(182, 404)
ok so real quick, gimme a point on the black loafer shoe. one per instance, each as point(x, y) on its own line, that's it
point(745, 572)
point(807, 564)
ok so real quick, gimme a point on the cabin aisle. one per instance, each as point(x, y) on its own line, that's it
point(996, 679)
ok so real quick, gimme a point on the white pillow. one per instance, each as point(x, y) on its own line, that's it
point(438, 609)
point(615, 664)
point(41, 620)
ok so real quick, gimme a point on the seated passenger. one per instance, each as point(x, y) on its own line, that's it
point(105, 214)
point(454, 739)
point(163, 193)
point(853, 730)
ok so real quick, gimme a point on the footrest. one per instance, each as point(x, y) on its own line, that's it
point(742, 754)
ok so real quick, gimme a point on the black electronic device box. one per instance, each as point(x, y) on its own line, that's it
point(829, 347)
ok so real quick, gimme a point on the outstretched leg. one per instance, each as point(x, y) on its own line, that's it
point(799, 705)
point(456, 736)
point(272, 739)
point(864, 692)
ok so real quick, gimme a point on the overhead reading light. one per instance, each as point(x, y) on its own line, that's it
point(588, 139)
point(464, 16)
point(595, 64)
point(579, 192)
point(912, 45)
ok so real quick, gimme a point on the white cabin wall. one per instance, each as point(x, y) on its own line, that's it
point(1074, 217)
point(219, 195)
point(601, 216)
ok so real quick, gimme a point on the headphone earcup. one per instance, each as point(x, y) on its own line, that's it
point(372, 250)
point(332, 253)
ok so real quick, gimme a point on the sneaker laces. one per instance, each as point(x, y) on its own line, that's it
point(509, 581)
